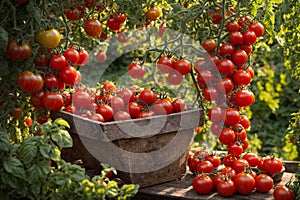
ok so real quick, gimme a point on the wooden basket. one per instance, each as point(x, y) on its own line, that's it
point(151, 150)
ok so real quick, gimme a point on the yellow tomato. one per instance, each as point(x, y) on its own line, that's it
point(48, 38)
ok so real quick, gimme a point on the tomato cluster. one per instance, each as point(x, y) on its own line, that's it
point(107, 103)
point(229, 175)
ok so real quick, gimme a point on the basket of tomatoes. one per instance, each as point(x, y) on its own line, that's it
point(144, 135)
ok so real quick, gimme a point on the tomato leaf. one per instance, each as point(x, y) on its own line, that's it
point(14, 166)
point(37, 171)
point(62, 122)
point(3, 39)
point(9, 179)
point(129, 190)
point(4, 142)
point(35, 11)
point(45, 151)
point(62, 138)
point(28, 150)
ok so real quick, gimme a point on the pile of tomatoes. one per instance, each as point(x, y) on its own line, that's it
point(107, 103)
point(228, 175)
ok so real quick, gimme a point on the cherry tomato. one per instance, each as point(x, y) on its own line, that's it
point(120, 17)
point(226, 49)
point(205, 77)
point(239, 57)
point(240, 165)
point(81, 99)
point(210, 93)
point(244, 98)
point(75, 14)
point(225, 85)
point(214, 159)
point(30, 82)
point(178, 105)
point(216, 114)
point(28, 122)
point(58, 62)
point(242, 77)
point(71, 55)
point(134, 109)
point(236, 37)
point(249, 37)
point(264, 183)
point(70, 76)
point(209, 45)
point(272, 165)
point(232, 117)
point(109, 86)
point(48, 38)
point(204, 167)
point(36, 99)
point(226, 188)
point(227, 136)
point(101, 56)
point(93, 27)
point(136, 71)
point(240, 132)
point(202, 184)
point(117, 103)
point(113, 24)
point(70, 109)
point(225, 66)
point(17, 51)
point(247, 48)
point(83, 57)
point(154, 13)
point(232, 26)
point(229, 171)
point(52, 82)
point(96, 117)
point(175, 78)
point(182, 66)
point(53, 101)
point(106, 111)
point(165, 64)
point(144, 114)
point(235, 149)
point(258, 28)
point(41, 60)
point(282, 192)
point(162, 107)
point(16, 112)
point(245, 183)
point(244, 121)
point(121, 115)
point(147, 96)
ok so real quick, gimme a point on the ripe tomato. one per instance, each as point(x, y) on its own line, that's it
point(96, 117)
point(229, 171)
point(101, 56)
point(236, 37)
point(28, 122)
point(71, 55)
point(216, 114)
point(74, 14)
point(204, 167)
point(83, 57)
point(249, 37)
point(226, 49)
point(245, 144)
point(239, 57)
point(226, 187)
point(282, 192)
point(202, 184)
point(120, 17)
point(117, 103)
point(244, 121)
point(193, 162)
point(210, 93)
point(235, 149)
point(48, 38)
point(53, 101)
point(240, 165)
point(178, 105)
point(134, 109)
point(175, 78)
point(30, 82)
point(272, 165)
point(41, 60)
point(244, 98)
point(121, 115)
point(81, 99)
point(162, 107)
point(232, 26)
point(258, 28)
point(205, 77)
point(225, 85)
point(144, 114)
point(154, 13)
point(242, 77)
point(135, 70)
point(58, 62)
point(247, 48)
point(109, 86)
point(252, 159)
point(165, 64)
point(209, 45)
point(70, 109)
point(92, 27)
point(245, 183)
point(106, 111)
point(126, 95)
point(113, 24)
point(264, 183)
point(200, 64)
point(182, 66)
point(225, 66)
point(17, 51)
point(16, 112)
point(70, 76)
point(52, 82)
point(232, 117)
point(214, 159)
point(147, 96)
point(227, 136)
point(36, 99)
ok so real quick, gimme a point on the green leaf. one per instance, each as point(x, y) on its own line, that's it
point(3, 39)
point(4, 142)
point(8, 179)
point(35, 11)
point(62, 138)
point(37, 171)
point(62, 122)
point(45, 151)
point(14, 166)
point(36, 189)
point(129, 190)
point(28, 150)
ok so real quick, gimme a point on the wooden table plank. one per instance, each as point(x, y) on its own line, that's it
point(182, 189)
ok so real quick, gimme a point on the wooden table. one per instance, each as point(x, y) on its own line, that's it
point(182, 189)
